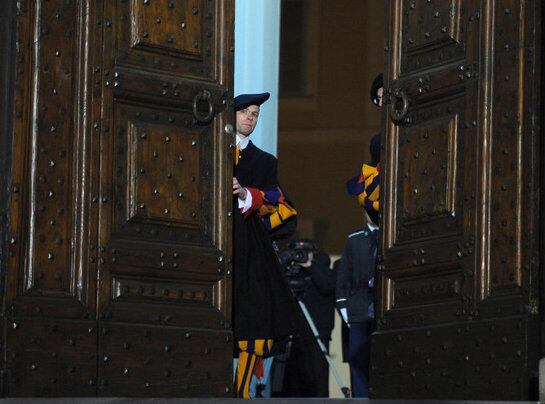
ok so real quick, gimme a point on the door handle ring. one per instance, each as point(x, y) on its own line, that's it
point(400, 105)
point(203, 95)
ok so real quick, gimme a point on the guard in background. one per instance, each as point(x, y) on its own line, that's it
point(365, 185)
point(355, 300)
point(263, 305)
point(356, 274)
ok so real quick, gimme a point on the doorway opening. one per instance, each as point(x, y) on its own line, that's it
point(330, 52)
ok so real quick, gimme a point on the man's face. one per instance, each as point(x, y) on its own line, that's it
point(247, 120)
point(380, 91)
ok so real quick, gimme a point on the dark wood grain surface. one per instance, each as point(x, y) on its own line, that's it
point(460, 228)
point(119, 271)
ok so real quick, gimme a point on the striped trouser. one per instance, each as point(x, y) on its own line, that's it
point(249, 353)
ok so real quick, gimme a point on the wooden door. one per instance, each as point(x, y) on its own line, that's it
point(164, 239)
point(119, 273)
point(459, 264)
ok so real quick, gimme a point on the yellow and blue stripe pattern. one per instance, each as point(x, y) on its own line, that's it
point(275, 209)
point(250, 352)
point(366, 186)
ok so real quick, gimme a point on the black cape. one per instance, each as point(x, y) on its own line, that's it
point(263, 305)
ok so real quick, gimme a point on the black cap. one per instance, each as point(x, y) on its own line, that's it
point(245, 100)
point(378, 82)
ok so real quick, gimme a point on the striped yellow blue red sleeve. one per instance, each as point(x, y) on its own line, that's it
point(366, 186)
point(272, 207)
point(275, 210)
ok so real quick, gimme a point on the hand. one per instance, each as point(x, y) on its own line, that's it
point(239, 190)
point(308, 264)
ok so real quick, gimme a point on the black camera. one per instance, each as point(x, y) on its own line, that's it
point(297, 253)
point(290, 257)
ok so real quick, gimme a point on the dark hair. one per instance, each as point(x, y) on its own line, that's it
point(373, 215)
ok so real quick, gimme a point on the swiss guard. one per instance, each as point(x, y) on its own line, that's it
point(263, 306)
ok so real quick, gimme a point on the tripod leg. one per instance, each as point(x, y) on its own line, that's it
point(344, 390)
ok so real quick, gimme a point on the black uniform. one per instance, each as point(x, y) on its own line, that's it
point(263, 306)
point(354, 292)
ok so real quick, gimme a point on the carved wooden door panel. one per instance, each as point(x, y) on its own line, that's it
point(458, 268)
point(50, 345)
point(119, 258)
point(164, 249)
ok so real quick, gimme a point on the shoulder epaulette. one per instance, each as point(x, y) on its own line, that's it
point(364, 232)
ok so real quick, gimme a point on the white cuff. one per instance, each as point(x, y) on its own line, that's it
point(246, 204)
point(344, 314)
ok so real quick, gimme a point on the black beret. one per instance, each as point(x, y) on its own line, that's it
point(378, 82)
point(245, 100)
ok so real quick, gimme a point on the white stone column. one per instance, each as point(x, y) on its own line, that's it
point(257, 55)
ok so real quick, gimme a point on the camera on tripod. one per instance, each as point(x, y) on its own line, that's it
point(312, 285)
point(296, 254)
